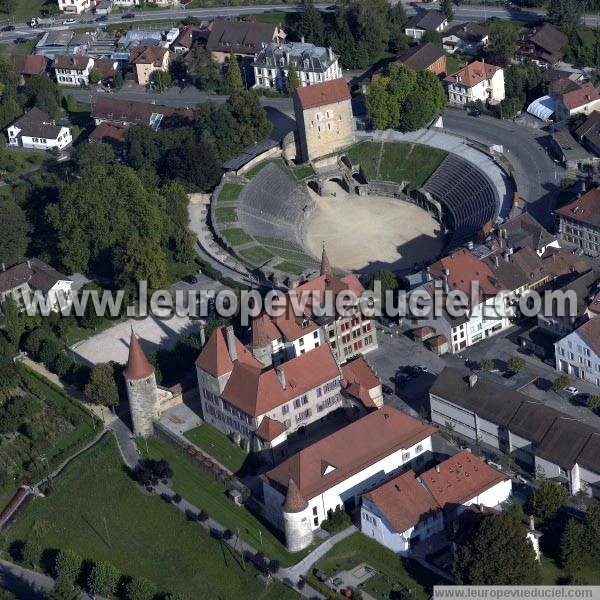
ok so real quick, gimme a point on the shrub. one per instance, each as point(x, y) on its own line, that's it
point(31, 552)
point(103, 579)
point(202, 516)
point(560, 383)
point(227, 534)
point(177, 498)
point(274, 566)
point(140, 588)
point(67, 566)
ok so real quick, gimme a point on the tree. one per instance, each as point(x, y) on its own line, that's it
point(15, 232)
point(40, 91)
point(160, 80)
point(593, 402)
point(380, 104)
point(203, 69)
point(426, 101)
point(560, 383)
point(433, 37)
point(140, 588)
point(11, 321)
point(118, 79)
point(502, 45)
point(103, 579)
point(32, 551)
point(50, 349)
point(387, 280)
point(565, 13)
point(446, 8)
point(516, 364)
point(486, 364)
point(67, 566)
point(547, 500)
point(193, 164)
point(95, 153)
point(7, 6)
point(571, 546)
point(592, 530)
point(102, 388)
point(293, 81)
point(498, 553)
point(397, 20)
point(311, 25)
point(233, 77)
point(95, 75)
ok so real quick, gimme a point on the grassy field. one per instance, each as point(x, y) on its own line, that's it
point(203, 491)
point(226, 215)
point(257, 255)
point(218, 445)
point(399, 162)
point(230, 191)
point(99, 512)
point(26, 47)
point(358, 548)
point(25, 9)
point(236, 236)
point(288, 267)
point(15, 163)
point(455, 61)
point(296, 172)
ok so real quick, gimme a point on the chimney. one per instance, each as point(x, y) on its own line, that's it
point(472, 380)
point(531, 522)
point(29, 263)
point(496, 260)
point(330, 52)
point(302, 39)
point(470, 244)
point(202, 334)
point(437, 468)
point(230, 337)
point(507, 256)
point(281, 377)
point(3, 267)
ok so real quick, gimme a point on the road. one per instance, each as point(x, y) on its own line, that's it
point(536, 175)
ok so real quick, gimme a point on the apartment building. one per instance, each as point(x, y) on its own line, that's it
point(578, 354)
point(476, 81)
point(72, 69)
point(579, 222)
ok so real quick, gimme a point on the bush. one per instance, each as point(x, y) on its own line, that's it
point(274, 566)
point(560, 383)
point(140, 588)
point(337, 520)
point(202, 516)
point(227, 535)
point(177, 498)
point(31, 552)
point(103, 579)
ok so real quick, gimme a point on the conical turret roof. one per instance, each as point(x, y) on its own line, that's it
point(294, 501)
point(138, 366)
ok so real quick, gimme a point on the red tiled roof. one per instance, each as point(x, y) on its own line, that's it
point(256, 392)
point(585, 209)
point(148, 55)
point(269, 429)
point(29, 64)
point(215, 359)
point(110, 132)
point(76, 62)
point(264, 331)
point(462, 477)
point(350, 450)
point(138, 366)
point(294, 502)
point(590, 332)
point(473, 73)
point(404, 501)
point(322, 94)
point(359, 380)
point(580, 97)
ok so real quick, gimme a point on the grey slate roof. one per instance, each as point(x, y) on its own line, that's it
point(420, 57)
point(243, 37)
point(429, 20)
point(304, 57)
point(524, 230)
point(564, 441)
point(36, 123)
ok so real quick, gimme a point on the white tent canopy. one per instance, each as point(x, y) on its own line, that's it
point(542, 108)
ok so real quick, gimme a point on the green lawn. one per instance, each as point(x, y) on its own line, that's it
point(217, 445)
point(203, 491)
point(26, 47)
point(455, 61)
point(257, 255)
point(16, 162)
point(226, 215)
point(99, 512)
point(288, 267)
point(236, 236)
point(358, 548)
point(399, 162)
point(230, 191)
point(25, 9)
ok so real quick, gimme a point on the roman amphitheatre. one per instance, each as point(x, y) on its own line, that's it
point(377, 205)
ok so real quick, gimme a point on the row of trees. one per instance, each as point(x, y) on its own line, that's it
point(404, 98)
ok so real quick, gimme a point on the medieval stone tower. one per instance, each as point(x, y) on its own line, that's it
point(296, 519)
point(142, 391)
point(261, 344)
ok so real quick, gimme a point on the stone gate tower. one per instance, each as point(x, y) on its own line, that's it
point(296, 519)
point(142, 391)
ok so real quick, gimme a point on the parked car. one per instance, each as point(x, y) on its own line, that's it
point(475, 112)
point(387, 389)
point(572, 390)
point(8, 28)
point(101, 18)
point(69, 21)
point(20, 41)
point(494, 464)
point(128, 16)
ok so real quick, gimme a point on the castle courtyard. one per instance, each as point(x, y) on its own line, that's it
point(367, 233)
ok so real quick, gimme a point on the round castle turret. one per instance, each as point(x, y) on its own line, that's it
point(296, 519)
point(142, 391)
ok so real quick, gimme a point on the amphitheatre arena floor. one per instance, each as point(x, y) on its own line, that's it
point(367, 233)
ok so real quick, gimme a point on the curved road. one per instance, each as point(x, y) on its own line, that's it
point(535, 173)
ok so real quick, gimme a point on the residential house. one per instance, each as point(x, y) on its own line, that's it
point(466, 38)
point(523, 231)
point(408, 510)
point(573, 98)
point(190, 35)
point(588, 133)
point(313, 64)
point(572, 155)
point(424, 21)
point(579, 222)
point(539, 438)
point(424, 57)
point(35, 130)
point(476, 81)
point(72, 69)
point(28, 65)
point(578, 353)
point(300, 492)
point(106, 67)
point(543, 45)
point(21, 281)
point(324, 118)
point(242, 38)
point(147, 59)
point(75, 7)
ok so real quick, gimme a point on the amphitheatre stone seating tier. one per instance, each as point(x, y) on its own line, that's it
point(273, 205)
point(468, 196)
